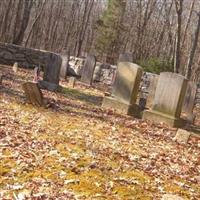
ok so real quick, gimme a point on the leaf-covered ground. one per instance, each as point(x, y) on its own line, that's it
point(76, 150)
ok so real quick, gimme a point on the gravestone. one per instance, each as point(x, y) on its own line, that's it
point(36, 75)
point(72, 82)
point(182, 136)
point(189, 100)
point(125, 89)
point(151, 91)
point(88, 70)
point(168, 100)
point(126, 57)
point(15, 67)
point(33, 93)
point(65, 64)
point(51, 73)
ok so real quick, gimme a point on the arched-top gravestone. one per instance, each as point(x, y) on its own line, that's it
point(125, 89)
point(88, 70)
point(168, 100)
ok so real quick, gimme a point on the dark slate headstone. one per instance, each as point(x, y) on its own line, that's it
point(33, 93)
point(52, 69)
point(126, 57)
point(88, 70)
point(51, 73)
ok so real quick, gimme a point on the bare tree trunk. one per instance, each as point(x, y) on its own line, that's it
point(177, 61)
point(188, 20)
point(35, 21)
point(192, 53)
point(26, 15)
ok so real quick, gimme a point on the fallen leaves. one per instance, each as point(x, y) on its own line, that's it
point(76, 150)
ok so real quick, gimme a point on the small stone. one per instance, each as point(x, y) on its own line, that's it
point(171, 197)
point(72, 82)
point(15, 67)
point(182, 136)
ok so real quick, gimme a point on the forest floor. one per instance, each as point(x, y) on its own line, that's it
point(76, 150)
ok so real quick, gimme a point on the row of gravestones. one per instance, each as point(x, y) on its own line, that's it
point(169, 95)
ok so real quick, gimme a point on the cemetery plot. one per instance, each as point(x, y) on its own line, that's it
point(77, 150)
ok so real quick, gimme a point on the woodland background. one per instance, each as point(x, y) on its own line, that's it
point(161, 34)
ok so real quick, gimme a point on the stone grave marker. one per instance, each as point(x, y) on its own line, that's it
point(72, 82)
point(33, 93)
point(151, 91)
point(65, 64)
point(189, 100)
point(125, 89)
point(126, 57)
point(88, 70)
point(36, 75)
point(51, 73)
point(15, 67)
point(168, 100)
point(182, 136)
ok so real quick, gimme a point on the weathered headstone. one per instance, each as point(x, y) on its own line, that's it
point(36, 75)
point(182, 136)
point(65, 64)
point(72, 82)
point(151, 91)
point(15, 67)
point(33, 93)
point(88, 70)
point(51, 73)
point(168, 100)
point(125, 89)
point(189, 100)
point(126, 57)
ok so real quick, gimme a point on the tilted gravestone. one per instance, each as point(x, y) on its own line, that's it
point(88, 70)
point(189, 100)
point(126, 57)
point(151, 91)
point(65, 64)
point(125, 89)
point(168, 100)
point(33, 93)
